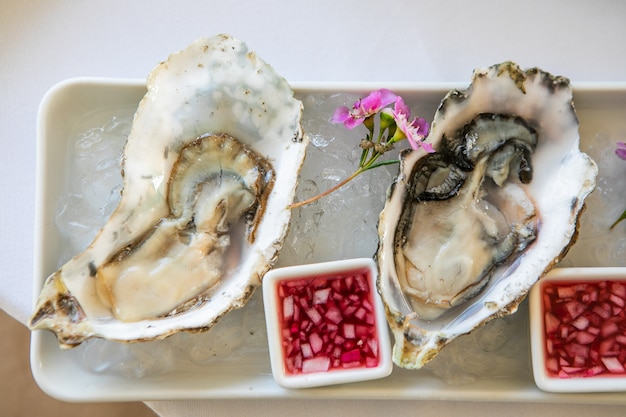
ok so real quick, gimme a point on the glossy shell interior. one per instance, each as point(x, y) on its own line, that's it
point(216, 85)
point(563, 177)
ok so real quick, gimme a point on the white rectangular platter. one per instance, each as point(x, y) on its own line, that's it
point(80, 104)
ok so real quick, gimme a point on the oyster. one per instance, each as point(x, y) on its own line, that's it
point(209, 168)
point(466, 231)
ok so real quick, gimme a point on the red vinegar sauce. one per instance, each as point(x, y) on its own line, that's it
point(328, 322)
point(584, 328)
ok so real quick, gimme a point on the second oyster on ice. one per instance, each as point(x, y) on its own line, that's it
point(466, 232)
point(210, 166)
point(467, 212)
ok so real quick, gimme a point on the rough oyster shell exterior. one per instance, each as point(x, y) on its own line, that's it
point(563, 177)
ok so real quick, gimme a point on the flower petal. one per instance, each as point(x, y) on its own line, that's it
point(370, 104)
point(421, 125)
point(353, 122)
point(621, 150)
point(340, 115)
point(401, 107)
point(387, 97)
point(427, 146)
point(414, 145)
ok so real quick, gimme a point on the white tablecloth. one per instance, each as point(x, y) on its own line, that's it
point(43, 42)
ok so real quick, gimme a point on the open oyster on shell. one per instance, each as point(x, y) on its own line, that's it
point(209, 168)
point(466, 231)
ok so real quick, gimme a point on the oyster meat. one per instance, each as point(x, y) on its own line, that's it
point(209, 168)
point(467, 230)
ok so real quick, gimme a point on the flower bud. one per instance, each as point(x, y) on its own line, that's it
point(386, 120)
point(369, 123)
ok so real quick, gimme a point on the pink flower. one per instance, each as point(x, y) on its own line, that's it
point(414, 131)
point(363, 108)
point(621, 150)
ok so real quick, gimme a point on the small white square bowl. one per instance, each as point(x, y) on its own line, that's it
point(303, 276)
point(582, 335)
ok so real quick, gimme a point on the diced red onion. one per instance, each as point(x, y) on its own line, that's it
point(337, 329)
point(585, 325)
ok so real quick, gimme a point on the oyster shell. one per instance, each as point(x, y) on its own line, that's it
point(209, 168)
point(466, 231)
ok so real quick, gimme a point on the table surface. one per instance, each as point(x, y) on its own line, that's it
point(44, 42)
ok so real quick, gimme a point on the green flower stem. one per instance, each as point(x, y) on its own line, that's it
point(369, 165)
point(622, 217)
point(325, 193)
point(369, 124)
point(365, 152)
point(380, 164)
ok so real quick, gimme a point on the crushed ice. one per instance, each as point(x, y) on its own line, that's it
point(93, 191)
